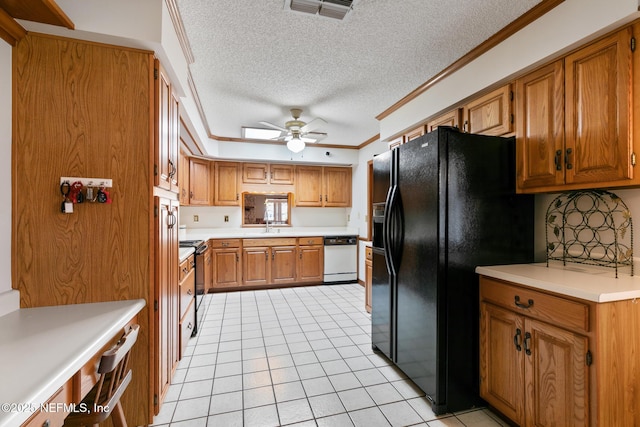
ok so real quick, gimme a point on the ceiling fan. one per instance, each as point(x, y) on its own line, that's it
point(298, 133)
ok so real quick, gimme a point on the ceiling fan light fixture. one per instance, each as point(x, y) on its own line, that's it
point(295, 145)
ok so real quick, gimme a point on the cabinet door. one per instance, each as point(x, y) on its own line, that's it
point(502, 360)
point(308, 186)
point(311, 263)
point(255, 173)
point(283, 268)
point(281, 174)
point(174, 141)
point(416, 133)
point(337, 187)
point(208, 270)
point(450, 118)
point(226, 184)
point(166, 294)
point(556, 376)
point(226, 268)
point(598, 107)
point(490, 114)
point(256, 266)
point(183, 179)
point(199, 182)
point(163, 128)
point(540, 127)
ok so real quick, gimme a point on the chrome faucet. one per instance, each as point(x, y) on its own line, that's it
point(268, 227)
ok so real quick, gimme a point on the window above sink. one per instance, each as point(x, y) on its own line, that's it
point(262, 208)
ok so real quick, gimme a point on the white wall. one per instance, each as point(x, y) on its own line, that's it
point(213, 217)
point(5, 167)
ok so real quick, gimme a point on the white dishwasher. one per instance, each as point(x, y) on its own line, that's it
point(340, 259)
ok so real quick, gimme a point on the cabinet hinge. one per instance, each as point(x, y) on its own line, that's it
point(588, 358)
point(155, 73)
point(155, 305)
point(512, 118)
point(633, 159)
point(633, 44)
point(510, 95)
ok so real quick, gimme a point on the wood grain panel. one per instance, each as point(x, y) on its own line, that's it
point(598, 107)
point(84, 109)
point(575, 315)
point(540, 127)
point(618, 361)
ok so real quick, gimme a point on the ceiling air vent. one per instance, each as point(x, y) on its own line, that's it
point(336, 9)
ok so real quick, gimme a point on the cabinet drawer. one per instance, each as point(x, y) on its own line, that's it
point(368, 253)
point(187, 291)
point(56, 416)
point(186, 327)
point(224, 243)
point(311, 240)
point(185, 267)
point(285, 241)
point(556, 310)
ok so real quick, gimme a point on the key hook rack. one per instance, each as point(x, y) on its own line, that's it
point(76, 190)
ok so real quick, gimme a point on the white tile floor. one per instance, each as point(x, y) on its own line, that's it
point(295, 356)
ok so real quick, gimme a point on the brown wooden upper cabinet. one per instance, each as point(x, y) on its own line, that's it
point(183, 178)
point(265, 173)
point(415, 133)
point(323, 186)
point(450, 118)
point(200, 182)
point(226, 184)
point(490, 114)
point(574, 119)
point(166, 131)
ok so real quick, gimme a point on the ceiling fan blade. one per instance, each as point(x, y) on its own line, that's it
point(313, 125)
point(271, 125)
point(305, 139)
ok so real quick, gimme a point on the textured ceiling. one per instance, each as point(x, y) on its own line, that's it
point(255, 59)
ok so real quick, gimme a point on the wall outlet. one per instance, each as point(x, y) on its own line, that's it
point(226, 218)
point(196, 218)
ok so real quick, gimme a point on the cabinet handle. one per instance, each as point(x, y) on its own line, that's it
point(185, 270)
point(191, 194)
point(273, 256)
point(521, 305)
point(300, 254)
point(237, 258)
point(172, 169)
point(465, 126)
point(225, 244)
point(567, 161)
point(556, 160)
point(189, 292)
point(189, 326)
point(517, 339)
point(237, 196)
point(527, 339)
point(321, 197)
point(266, 255)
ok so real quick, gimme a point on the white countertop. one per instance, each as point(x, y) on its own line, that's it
point(257, 232)
point(183, 253)
point(576, 280)
point(42, 348)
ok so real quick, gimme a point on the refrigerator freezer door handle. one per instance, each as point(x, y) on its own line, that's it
point(386, 234)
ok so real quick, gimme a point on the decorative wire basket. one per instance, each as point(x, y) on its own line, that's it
point(590, 227)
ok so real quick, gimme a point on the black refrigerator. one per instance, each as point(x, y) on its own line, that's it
point(449, 205)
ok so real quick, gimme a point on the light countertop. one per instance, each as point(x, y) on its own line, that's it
point(576, 280)
point(42, 348)
point(258, 232)
point(183, 253)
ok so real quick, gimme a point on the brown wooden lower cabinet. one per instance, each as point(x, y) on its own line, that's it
point(226, 263)
point(547, 359)
point(310, 259)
